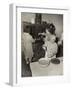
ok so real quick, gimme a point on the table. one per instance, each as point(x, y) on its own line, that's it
point(52, 69)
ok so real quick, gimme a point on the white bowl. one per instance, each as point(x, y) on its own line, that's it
point(44, 62)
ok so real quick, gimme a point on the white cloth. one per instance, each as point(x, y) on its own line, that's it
point(51, 46)
point(27, 45)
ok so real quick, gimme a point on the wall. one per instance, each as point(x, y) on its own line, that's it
point(27, 16)
point(57, 20)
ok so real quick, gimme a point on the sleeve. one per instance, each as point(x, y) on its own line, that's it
point(55, 48)
point(31, 38)
point(45, 46)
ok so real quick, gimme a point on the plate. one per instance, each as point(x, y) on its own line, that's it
point(55, 61)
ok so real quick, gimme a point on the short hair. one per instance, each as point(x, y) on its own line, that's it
point(26, 28)
point(51, 28)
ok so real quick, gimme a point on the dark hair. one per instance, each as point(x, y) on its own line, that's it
point(51, 28)
point(26, 29)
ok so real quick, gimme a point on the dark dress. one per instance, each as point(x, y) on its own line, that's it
point(39, 52)
point(25, 68)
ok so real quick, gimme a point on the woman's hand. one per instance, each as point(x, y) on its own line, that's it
point(59, 42)
point(44, 47)
point(41, 33)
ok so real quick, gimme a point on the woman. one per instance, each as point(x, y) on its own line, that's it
point(27, 46)
point(50, 47)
